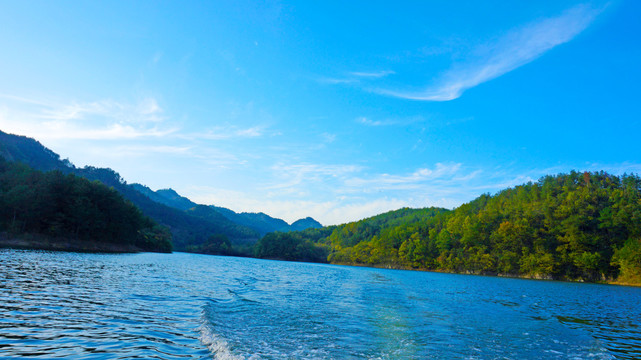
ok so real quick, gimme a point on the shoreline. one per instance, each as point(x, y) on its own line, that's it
point(39, 242)
point(500, 275)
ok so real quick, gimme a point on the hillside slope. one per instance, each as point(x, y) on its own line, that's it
point(576, 226)
point(187, 229)
point(321, 244)
point(260, 222)
point(64, 212)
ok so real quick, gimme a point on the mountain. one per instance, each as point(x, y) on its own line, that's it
point(320, 244)
point(189, 229)
point(304, 224)
point(54, 211)
point(29, 151)
point(167, 197)
point(576, 226)
point(260, 222)
point(191, 224)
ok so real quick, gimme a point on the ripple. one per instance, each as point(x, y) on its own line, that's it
point(184, 306)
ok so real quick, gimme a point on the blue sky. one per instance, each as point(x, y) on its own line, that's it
point(335, 110)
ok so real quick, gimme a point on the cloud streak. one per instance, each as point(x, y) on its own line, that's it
point(338, 193)
point(510, 52)
point(369, 122)
point(373, 74)
point(97, 120)
point(440, 174)
point(363, 120)
point(356, 77)
point(226, 133)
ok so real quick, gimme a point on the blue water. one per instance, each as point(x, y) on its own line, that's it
point(184, 306)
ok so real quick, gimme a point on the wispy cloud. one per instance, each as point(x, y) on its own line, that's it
point(515, 49)
point(63, 130)
point(146, 110)
point(365, 121)
point(414, 180)
point(396, 121)
point(355, 77)
point(293, 175)
point(338, 193)
point(97, 120)
point(328, 138)
point(255, 131)
point(373, 74)
point(138, 151)
point(226, 133)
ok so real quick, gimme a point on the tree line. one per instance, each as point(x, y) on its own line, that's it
point(576, 226)
point(64, 206)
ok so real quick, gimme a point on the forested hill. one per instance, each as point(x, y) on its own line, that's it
point(576, 226)
point(192, 226)
point(65, 212)
point(315, 244)
point(191, 231)
point(260, 222)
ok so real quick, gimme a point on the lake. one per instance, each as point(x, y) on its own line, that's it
point(186, 306)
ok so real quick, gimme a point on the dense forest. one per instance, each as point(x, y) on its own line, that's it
point(577, 226)
point(321, 245)
point(192, 226)
point(190, 230)
point(306, 245)
point(53, 206)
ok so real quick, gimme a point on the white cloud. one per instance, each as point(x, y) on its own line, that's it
point(513, 50)
point(291, 175)
point(337, 193)
point(149, 106)
point(255, 131)
point(373, 74)
point(130, 151)
point(355, 77)
point(65, 130)
point(328, 138)
point(334, 81)
point(97, 120)
point(365, 121)
point(414, 180)
point(227, 132)
point(147, 110)
point(390, 122)
point(376, 123)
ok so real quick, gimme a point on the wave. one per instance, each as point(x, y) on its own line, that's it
point(217, 346)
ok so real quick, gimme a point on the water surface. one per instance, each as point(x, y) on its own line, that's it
point(185, 306)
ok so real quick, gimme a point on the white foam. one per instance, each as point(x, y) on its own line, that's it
point(218, 346)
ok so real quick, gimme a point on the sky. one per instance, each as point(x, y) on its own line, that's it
point(331, 109)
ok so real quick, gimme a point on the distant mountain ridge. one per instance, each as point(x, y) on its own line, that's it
point(191, 224)
point(260, 222)
point(304, 224)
